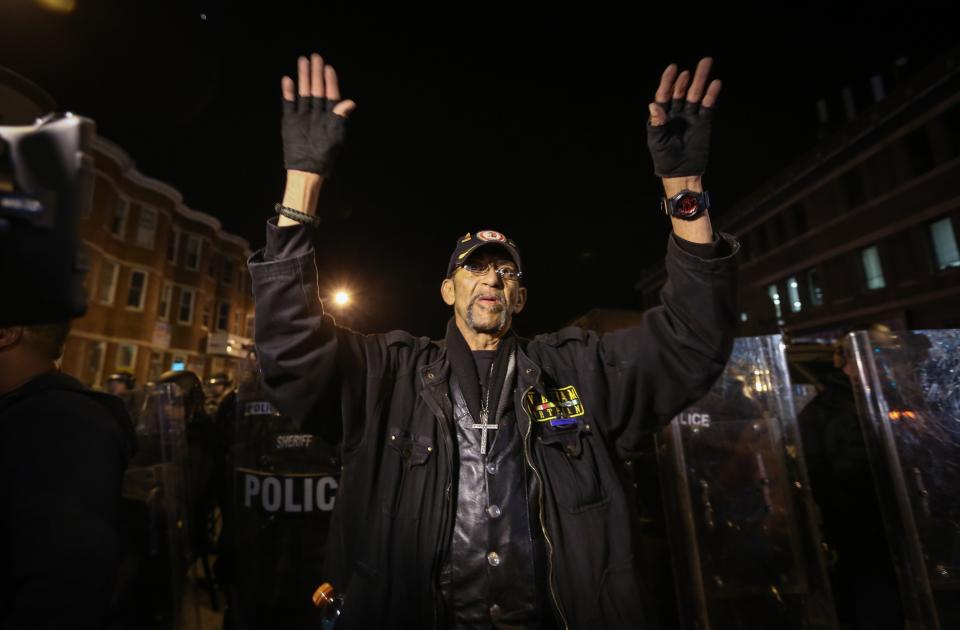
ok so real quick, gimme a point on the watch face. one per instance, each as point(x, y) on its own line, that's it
point(687, 205)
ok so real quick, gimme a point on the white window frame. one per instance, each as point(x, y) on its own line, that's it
point(944, 243)
point(193, 238)
point(166, 299)
point(113, 282)
point(143, 290)
point(868, 257)
point(193, 304)
point(124, 203)
point(133, 357)
point(147, 237)
point(175, 235)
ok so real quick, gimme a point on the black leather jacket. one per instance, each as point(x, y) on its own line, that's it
point(387, 396)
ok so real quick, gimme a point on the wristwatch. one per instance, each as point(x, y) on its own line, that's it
point(686, 204)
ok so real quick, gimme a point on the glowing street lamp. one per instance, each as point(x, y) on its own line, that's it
point(341, 298)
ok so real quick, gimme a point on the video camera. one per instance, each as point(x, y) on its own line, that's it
point(46, 185)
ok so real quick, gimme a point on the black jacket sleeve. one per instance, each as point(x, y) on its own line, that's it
point(314, 370)
point(680, 348)
point(644, 375)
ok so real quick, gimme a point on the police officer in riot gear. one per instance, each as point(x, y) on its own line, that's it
point(120, 382)
point(218, 387)
point(277, 493)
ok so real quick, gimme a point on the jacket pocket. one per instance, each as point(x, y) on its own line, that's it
point(405, 471)
point(413, 450)
point(572, 470)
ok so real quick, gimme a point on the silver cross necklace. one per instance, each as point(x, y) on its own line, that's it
point(484, 425)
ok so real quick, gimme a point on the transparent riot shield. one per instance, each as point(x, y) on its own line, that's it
point(745, 547)
point(279, 484)
point(908, 397)
point(802, 395)
point(154, 526)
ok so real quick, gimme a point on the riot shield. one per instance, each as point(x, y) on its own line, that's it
point(744, 541)
point(908, 397)
point(154, 525)
point(802, 395)
point(279, 489)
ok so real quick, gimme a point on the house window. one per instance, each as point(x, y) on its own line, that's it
point(187, 299)
point(793, 292)
point(108, 282)
point(944, 244)
point(147, 227)
point(798, 216)
point(853, 191)
point(126, 356)
point(173, 245)
point(774, 294)
point(872, 269)
point(227, 277)
point(118, 221)
point(165, 297)
point(951, 121)
point(814, 290)
point(759, 237)
point(778, 229)
point(919, 151)
point(192, 252)
point(205, 318)
point(223, 316)
point(138, 289)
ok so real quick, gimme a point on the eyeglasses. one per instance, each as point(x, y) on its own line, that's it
point(505, 272)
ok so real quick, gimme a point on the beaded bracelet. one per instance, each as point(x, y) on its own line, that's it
point(296, 215)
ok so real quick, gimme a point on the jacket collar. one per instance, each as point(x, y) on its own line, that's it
point(39, 384)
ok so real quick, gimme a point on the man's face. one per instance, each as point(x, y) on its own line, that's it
point(486, 303)
point(217, 389)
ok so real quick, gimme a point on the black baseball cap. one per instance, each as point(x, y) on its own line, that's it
point(471, 242)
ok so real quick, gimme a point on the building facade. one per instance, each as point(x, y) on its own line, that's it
point(167, 288)
point(863, 229)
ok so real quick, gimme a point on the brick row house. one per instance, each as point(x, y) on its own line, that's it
point(167, 287)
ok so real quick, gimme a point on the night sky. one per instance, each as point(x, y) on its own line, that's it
point(528, 121)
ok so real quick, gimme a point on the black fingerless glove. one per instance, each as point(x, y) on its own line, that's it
point(680, 147)
point(312, 134)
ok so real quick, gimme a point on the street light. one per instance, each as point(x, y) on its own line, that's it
point(341, 298)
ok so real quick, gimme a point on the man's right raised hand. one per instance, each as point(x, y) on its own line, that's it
point(314, 125)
